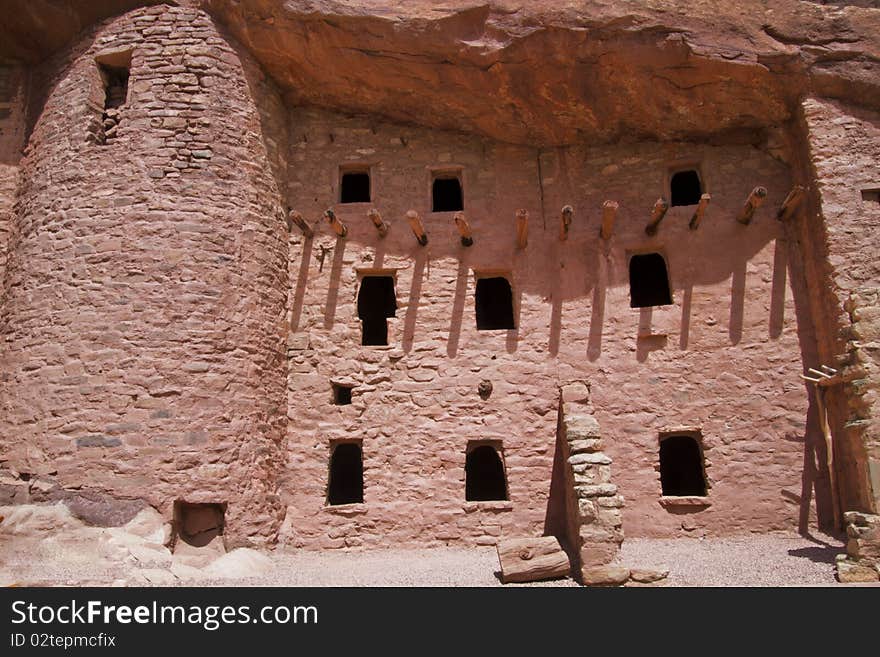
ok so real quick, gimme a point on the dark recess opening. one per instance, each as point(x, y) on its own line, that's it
point(446, 195)
point(484, 475)
point(648, 281)
point(346, 475)
point(685, 188)
point(198, 524)
point(494, 304)
point(115, 85)
point(115, 92)
point(375, 304)
point(341, 394)
point(355, 187)
point(681, 466)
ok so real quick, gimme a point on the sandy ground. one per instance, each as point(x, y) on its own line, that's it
point(77, 555)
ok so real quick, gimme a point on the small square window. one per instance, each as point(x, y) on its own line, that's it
point(494, 304)
point(354, 187)
point(685, 188)
point(342, 394)
point(198, 524)
point(682, 470)
point(446, 193)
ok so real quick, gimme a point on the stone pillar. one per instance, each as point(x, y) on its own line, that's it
point(593, 529)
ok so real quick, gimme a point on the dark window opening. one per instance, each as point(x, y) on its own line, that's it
point(446, 195)
point(346, 484)
point(115, 93)
point(494, 304)
point(341, 394)
point(355, 187)
point(376, 302)
point(681, 466)
point(484, 475)
point(871, 195)
point(685, 188)
point(648, 281)
point(198, 524)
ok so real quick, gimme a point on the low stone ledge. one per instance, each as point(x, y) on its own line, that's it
point(488, 505)
point(685, 500)
point(357, 509)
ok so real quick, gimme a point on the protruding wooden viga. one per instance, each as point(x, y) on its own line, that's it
point(522, 228)
point(609, 212)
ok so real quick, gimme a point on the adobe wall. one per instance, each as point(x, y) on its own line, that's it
point(844, 152)
point(144, 306)
point(724, 358)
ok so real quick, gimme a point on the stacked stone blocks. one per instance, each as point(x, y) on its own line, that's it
point(861, 563)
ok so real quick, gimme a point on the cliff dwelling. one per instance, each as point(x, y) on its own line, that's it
point(327, 284)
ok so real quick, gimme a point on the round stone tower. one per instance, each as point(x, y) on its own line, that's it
point(144, 302)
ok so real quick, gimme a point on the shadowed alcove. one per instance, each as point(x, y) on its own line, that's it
point(346, 481)
point(484, 475)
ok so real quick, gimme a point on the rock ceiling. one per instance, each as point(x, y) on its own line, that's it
point(542, 72)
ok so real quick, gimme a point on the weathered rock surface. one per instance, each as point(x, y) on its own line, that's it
point(28, 520)
point(555, 72)
point(550, 72)
point(138, 550)
point(605, 575)
point(242, 562)
point(852, 572)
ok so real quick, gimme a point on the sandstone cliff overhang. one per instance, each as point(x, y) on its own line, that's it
point(546, 73)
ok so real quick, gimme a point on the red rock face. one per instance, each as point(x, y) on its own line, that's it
point(144, 297)
point(555, 72)
point(165, 339)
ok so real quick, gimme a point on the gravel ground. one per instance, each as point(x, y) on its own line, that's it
point(425, 567)
point(759, 560)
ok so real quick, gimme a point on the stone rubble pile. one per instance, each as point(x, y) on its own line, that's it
point(861, 563)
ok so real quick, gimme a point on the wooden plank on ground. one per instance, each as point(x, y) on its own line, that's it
point(532, 559)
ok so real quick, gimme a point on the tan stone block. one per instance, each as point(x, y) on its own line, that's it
point(645, 576)
point(605, 575)
point(852, 572)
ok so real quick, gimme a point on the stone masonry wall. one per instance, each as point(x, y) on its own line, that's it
point(844, 149)
point(143, 310)
point(723, 361)
point(13, 94)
